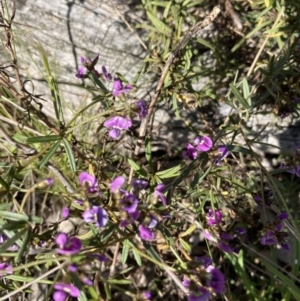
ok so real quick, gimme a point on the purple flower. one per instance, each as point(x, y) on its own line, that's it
point(146, 233)
point(158, 193)
point(278, 222)
point(225, 247)
point(118, 87)
point(203, 143)
point(116, 124)
point(143, 109)
point(89, 181)
point(65, 212)
point(106, 75)
point(67, 246)
point(203, 260)
point(190, 152)
point(88, 65)
point(5, 269)
point(87, 281)
point(139, 184)
point(215, 279)
point(201, 295)
point(223, 153)
point(129, 202)
point(81, 72)
point(294, 170)
point(62, 290)
point(117, 183)
point(208, 235)
point(269, 238)
point(267, 195)
point(197, 293)
point(213, 217)
point(130, 218)
point(240, 230)
point(100, 257)
point(72, 268)
point(97, 215)
point(147, 295)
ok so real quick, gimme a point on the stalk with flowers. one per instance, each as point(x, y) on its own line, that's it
point(132, 226)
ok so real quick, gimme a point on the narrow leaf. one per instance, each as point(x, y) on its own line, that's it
point(43, 139)
point(159, 25)
point(239, 96)
point(49, 155)
point(70, 155)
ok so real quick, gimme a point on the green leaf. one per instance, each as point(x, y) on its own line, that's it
point(239, 149)
point(246, 91)
point(13, 240)
point(134, 165)
point(4, 184)
point(43, 139)
point(98, 82)
point(12, 216)
point(238, 263)
point(148, 152)
point(207, 44)
point(185, 245)
point(49, 155)
point(13, 225)
point(26, 242)
point(125, 251)
point(159, 25)
point(20, 278)
point(70, 155)
point(239, 97)
point(289, 283)
point(171, 172)
point(119, 281)
point(137, 256)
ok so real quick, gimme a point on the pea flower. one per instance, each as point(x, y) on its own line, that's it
point(129, 218)
point(67, 246)
point(119, 88)
point(96, 214)
point(65, 212)
point(203, 143)
point(158, 193)
point(269, 238)
point(215, 279)
point(62, 290)
point(146, 233)
point(294, 170)
point(116, 124)
point(223, 153)
point(147, 295)
point(5, 269)
point(139, 184)
point(89, 181)
point(142, 108)
point(106, 75)
point(117, 183)
point(213, 217)
point(190, 152)
point(273, 235)
point(87, 65)
point(196, 292)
